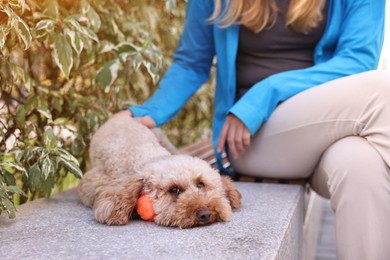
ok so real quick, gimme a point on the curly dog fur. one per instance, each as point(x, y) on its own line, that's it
point(128, 160)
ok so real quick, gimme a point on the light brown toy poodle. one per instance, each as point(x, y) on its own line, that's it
point(127, 160)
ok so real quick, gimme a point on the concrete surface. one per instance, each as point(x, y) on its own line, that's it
point(269, 226)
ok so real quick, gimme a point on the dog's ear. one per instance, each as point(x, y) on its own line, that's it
point(233, 195)
point(116, 201)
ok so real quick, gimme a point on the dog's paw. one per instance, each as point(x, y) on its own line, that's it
point(116, 201)
point(111, 212)
point(115, 209)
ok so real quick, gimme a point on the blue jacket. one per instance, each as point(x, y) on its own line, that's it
point(351, 43)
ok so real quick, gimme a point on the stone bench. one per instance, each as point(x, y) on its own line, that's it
point(269, 226)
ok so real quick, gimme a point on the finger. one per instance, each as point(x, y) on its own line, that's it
point(149, 122)
point(231, 140)
point(222, 138)
point(239, 139)
point(146, 121)
point(246, 136)
point(125, 112)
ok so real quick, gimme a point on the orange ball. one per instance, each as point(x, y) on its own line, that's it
point(145, 208)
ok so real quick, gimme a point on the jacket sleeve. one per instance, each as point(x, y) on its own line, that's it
point(190, 68)
point(357, 50)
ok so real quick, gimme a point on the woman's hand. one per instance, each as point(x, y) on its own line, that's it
point(236, 134)
point(145, 120)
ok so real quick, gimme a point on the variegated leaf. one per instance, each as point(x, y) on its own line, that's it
point(74, 24)
point(75, 41)
point(49, 139)
point(106, 46)
point(43, 27)
point(47, 167)
point(23, 31)
point(62, 55)
point(107, 74)
point(15, 166)
point(72, 167)
point(89, 33)
point(91, 14)
point(45, 112)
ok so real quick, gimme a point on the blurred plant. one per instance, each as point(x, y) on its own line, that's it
point(65, 66)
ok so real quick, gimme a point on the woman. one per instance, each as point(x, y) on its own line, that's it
point(294, 100)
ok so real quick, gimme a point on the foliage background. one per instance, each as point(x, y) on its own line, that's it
point(65, 67)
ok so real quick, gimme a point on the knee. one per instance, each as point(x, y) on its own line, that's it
point(356, 170)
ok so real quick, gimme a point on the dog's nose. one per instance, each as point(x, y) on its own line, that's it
point(203, 215)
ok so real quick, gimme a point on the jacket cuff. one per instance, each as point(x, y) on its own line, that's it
point(140, 111)
point(251, 117)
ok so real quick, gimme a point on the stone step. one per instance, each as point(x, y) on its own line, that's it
point(269, 226)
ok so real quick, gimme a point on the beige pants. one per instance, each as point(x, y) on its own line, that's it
point(338, 134)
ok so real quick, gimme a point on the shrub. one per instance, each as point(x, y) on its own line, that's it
point(66, 66)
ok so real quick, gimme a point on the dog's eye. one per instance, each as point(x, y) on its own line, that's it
point(175, 191)
point(200, 185)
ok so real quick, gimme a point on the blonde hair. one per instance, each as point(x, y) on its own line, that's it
point(301, 16)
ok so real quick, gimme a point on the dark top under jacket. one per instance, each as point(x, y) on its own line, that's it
point(274, 50)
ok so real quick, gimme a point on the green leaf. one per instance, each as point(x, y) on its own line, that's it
point(89, 33)
point(15, 189)
point(48, 185)
point(75, 41)
point(72, 167)
point(15, 166)
point(3, 194)
point(20, 116)
point(9, 207)
point(87, 43)
point(152, 70)
point(107, 74)
point(74, 24)
point(91, 14)
point(106, 46)
point(57, 104)
point(63, 55)
point(67, 156)
point(50, 139)
point(170, 5)
point(31, 103)
point(34, 180)
point(8, 177)
point(47, 167)
point(31, 152)
point(137, 61)
point(127, 47)
point(114, 28)
point(16, 70)
point(60, 121)
point(45, 24)
point(45, 112)
point(77, 17)
point(78, 146)
point(44, 27)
